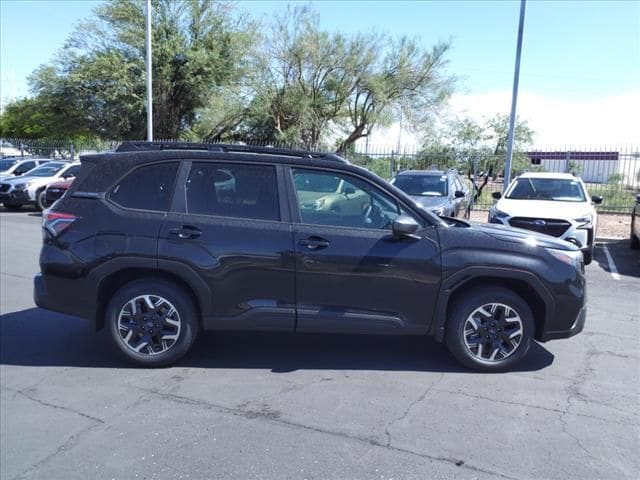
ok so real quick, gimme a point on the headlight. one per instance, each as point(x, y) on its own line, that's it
point(21, 186)
point(495, 213)
point(572, 258)
point(585, 221)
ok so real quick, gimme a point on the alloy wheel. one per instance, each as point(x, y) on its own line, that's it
point(149, 324)
point(493, 332)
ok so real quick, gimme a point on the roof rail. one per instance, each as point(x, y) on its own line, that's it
point(226, 148)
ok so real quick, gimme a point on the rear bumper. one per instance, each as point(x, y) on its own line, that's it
point(577, 327)
point(49, 299)
point(52, 195)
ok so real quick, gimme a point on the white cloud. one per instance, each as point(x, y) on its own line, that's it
point(607, 122)
point(602, 122)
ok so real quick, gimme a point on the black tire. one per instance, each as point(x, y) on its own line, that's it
point(40, 200)
point(588, 256)
point(12, 206)
point(464, 307)
point(634, 242)
point(177, 298)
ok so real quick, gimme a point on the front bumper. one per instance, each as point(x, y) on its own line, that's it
point(581, 236)
point(577, 327)
point(15, 196)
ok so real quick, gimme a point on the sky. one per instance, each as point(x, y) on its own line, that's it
point(580, 71)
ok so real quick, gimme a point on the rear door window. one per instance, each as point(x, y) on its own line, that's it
point(147, 188)
point(233, 190)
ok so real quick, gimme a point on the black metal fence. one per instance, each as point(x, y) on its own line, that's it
point(613, 173)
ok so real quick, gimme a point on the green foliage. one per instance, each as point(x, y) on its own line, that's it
point(310, 87)
point(97, 84)
point(473, 147)
point(616, 178)
point(40, 117)
point(574, 168)
point(219, 77)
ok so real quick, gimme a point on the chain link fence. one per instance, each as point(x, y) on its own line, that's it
point(613, 173)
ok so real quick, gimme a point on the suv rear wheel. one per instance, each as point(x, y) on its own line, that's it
point(490, 329)
point(152, 322)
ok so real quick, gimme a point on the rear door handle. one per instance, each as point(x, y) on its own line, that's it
point(314, 243)
point(185, 232)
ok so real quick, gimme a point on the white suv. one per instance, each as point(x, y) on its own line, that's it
point(556, 204)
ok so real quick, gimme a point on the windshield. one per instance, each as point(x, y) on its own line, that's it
point(422, 185)
point(556, 189)
point(47, 170)
point(6, 164)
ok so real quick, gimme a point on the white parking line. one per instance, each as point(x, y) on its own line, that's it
point(612, 266)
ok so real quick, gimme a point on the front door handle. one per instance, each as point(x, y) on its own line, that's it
point(185, 232)
point(314, 243)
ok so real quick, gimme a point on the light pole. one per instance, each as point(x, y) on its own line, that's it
point(149, 90)
point(514, 101)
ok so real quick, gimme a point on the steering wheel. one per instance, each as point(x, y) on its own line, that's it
point(372, 215)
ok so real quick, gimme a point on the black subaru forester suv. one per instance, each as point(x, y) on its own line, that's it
point(157, 241)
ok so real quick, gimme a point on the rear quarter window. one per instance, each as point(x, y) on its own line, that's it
point(146, 188)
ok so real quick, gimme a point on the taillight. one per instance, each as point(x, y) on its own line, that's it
point(57, 222)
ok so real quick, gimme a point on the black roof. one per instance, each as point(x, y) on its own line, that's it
point(140, 147)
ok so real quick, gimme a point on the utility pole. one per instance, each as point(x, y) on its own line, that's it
point(514, 101)
point(149, 89)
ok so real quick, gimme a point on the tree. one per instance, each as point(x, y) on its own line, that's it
point(41, 117)
point(481, 147)
point(197, 48)
point(310, 87)
point(301, 80)
point(407, 79)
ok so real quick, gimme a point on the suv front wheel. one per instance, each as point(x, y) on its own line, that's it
point(152, 322)
point(489, 329)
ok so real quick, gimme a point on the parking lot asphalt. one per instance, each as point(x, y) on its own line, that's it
point(315, 406)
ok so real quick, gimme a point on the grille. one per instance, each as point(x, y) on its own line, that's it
point(553, 227)
point(4, 187)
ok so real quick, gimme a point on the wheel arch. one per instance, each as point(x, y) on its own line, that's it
point(523, 283)
point(116, 279)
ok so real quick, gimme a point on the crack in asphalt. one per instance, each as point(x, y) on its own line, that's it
point(68, 444)
point(409, 407)
point(24, 394)
point(574, 393)
point(267, 417)
point(15, 275)
point(537, 407)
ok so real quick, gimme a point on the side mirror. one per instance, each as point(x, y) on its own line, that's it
point(597, 199)
point(458, 194)
point(349, 191)
point(404, 226)
point(496, 195)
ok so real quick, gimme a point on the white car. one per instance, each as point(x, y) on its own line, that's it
point(556, 204)
point(14, 167)
point(29, 189)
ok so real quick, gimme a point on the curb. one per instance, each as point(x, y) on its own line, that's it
point(610, 239)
